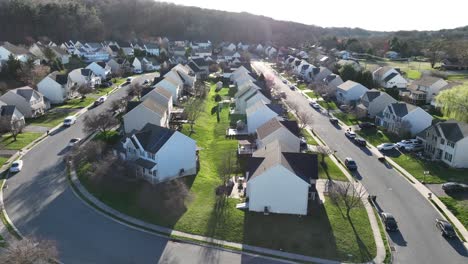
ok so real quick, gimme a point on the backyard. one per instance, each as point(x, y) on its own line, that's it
point(325, 233)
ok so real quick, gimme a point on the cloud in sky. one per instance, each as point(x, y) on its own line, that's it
point(367, 14)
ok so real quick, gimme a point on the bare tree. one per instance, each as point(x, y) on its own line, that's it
point(294, 106)
point(324, 151)
point(200, 89)
point(305, 119)
point(15, 127)
point(135, 89)
point(83, 90)
point(193, 109)
point(33, 74)
point(29, 250)
point(118, 105)
point(88, 152)
point(101, 122)
point(349, 194)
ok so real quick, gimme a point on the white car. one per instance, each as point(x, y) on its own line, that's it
point(315, 105)
point(386, 146)
point(73, 142)
point(100, 100)
point(350, 134)
point(69, 120)
point(403, 143)
point(16, 166)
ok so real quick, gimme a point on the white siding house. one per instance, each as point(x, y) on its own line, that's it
point(28, 101)
point(172, 86)
point(350, 92)
point(148, 111)
point(373, 102)
point(388, 77)
point(401, 118)
point(56, 87)
point(260, 113)
point(284, 131)
point(100, 69)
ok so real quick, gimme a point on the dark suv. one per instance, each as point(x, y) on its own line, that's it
point(366, 125)
point(389, 222)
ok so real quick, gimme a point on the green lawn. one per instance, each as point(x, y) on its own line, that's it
point(311, 94)
point(22, 140)
point(413, 74)
point(325, 233)
point(302, 86)
point(348, 119)
point(459, 207)
point(328, 105)
point(437, 172)
point(50, 119)
point(377, 137)
point(310, 140)
point(3, 160)
point(77, 103)
point(330, 170)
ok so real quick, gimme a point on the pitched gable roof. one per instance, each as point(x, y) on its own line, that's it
point(7, 110)
point(390, 76)
point(153, 137)
point(59, 78)
point(275, 124)
point(17, 50)
point(401, 109)
point(426, 81)
point(372, 94)
point(348, 85)
point(155, 106)
point(453, 130)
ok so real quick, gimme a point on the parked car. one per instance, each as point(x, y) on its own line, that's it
point(414, 147)
point(137, 71)
point(366, 125)
point(386, 146)
point(403, 143)
point(445, 228)
point(333, 120)
point(350, 134)
point(314, 105)
point(454, 187)
point(16, 166)
point(146, 82)
point(73, 142)
point(69, 120)
point(350, 164)
point(360, 141)
point(100, 100)
point(389, 222)
point(285, 81)
point(292, 87)
point(106, 84)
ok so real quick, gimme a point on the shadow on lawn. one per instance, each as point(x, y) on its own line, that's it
point(310, 235)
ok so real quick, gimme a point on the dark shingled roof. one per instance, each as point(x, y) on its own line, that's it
point(85, 72)
point(7, 110)
point(193, 66)
point(371, 95)
point(401, 109)
point(200, 62)
point(390, 76)
point(102, 64)
point(453, 130)
point(59, 78)
point(114, 48)
point(277, 108)
point(26, 92)
point(303, 165)
point(153, 137)
point(145, 91)
point(131, 105)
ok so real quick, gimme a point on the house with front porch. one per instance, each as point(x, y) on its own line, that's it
point(424, 90)
point(28, 101)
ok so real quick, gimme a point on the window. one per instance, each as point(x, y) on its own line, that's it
point(448, 156)
point(442, 141)
point(451, 144)
point(154, 173)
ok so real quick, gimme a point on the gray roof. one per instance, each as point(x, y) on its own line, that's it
point(275, 124)
point(154, 105)
point(372, 94)
point(426, 81)
point(401, 109)
point(153, 137)
point(303, 165)
point(7, 110)
point(453, 130)
point(390, 76)
point(26, 92)
point(59, 78)
point(348, 85)
point(17, 50)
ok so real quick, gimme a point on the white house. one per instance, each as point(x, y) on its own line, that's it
point(151, 48)
point(374, 102)
point(172, 86)
point(11, 114)
point(388, 77)
point(162, 96)
point(161, 154)
point(448, 141)
point(244, 94)
point(333, 80)
point(100, 69)
point(279, 180)
point(126, 48)
point(147, 111)
point(231, 47)
point(119, 66)
point(83, 76)
point(137, 65)
point(56, 87)
point(401, 118)
point(28, 101)
point(285, 131)
point(318, 74)
point(350, 92)
point(424, 90)
point(260, 113)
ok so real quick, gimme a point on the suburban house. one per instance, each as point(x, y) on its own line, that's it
point(19, 53)
point(126, 48)
point(402, 118)
point(11, 114)
point(172, 86)
point(247, 95)
point(285, 131)
point(318, 74)
point(137, 65)
point(161, 154)
point(350, 92)
point(388, 77)
point(56, 87)
point(279, 180)
point(27, 100)
point(448, 141)
point(260, 113)
point(333, 80)
point(183, 76)
point(374, 102)
point(100, 69)
point(151, 49)
point(119, 66)
point(424, 90)
point(200, 67)
point(149, 110)
point(353, 63)
point(61, 54)
point(83, 76)
point(162, 96)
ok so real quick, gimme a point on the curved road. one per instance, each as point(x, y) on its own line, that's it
point(40, 203)
point(418, 240)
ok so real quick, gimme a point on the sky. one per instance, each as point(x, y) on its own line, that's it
point(368, 14)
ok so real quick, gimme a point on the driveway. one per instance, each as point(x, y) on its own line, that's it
point(418, 240)
point(40, 203)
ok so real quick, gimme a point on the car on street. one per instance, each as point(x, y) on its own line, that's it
point(389, 221)
point(100, 100)
point(314, 105)
point(350, 134)
point(292, 87)
point(386, 146)
point(128, 81)
point(146, 82)
point(69, 120)
point(73, 142)
point(445, 228)
point(350, 164)
point(360, 141)
point(333, 120)
point(285, 81)
point(366, 125)
point(414, 147)
point(16, 166)
point(454, 187)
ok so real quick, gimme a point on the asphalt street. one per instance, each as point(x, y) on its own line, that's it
point(418, 240)
point(40, 203)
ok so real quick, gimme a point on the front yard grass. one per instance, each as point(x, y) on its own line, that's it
point(329, 170)
point(311, 95)
point(326, 233)
point(50, 119)
point(77, 103)
point(310, 140)
point(459, 208)
point(3, 160)
point(377, 137)
point(22, 140)
point(302, 86)
point(328, 105)
point(413, 74)
point(348, 119)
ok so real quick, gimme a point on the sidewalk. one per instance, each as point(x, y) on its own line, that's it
point(131, 222)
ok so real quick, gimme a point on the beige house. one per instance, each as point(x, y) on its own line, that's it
point(141, 113)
